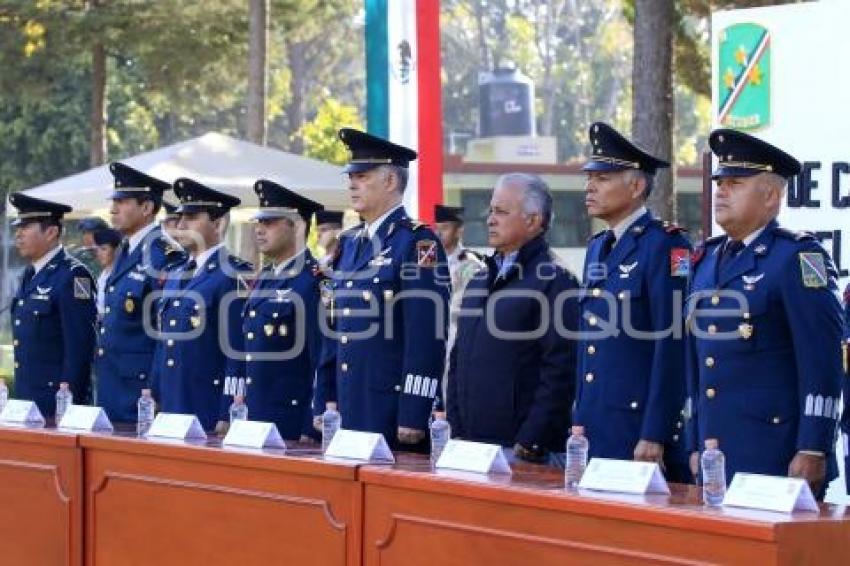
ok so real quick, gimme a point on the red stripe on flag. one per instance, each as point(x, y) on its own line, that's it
point(430, 108)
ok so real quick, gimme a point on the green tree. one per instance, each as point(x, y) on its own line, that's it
point(320, 134)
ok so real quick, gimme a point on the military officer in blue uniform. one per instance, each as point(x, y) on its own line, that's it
point(53, 312)
point(126, 338)
point(200, 312)
point(280, 319)
point(765, 379)
point(385, 364)
point(631, 386)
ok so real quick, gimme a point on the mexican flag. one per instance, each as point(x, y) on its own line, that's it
point(403, 91)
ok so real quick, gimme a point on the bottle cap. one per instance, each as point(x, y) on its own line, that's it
point(440, 415)
point(331, 405)
point(577, 429)
point(239, 399)
point(711, 443)
point(146, 392)
point(63, 386)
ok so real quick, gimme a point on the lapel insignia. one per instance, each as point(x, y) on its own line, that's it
point(813, 270)
point(745, 330)
point(210, 266)
point(43, 290)
point(382, 259)
point(426, 253)
point(195, 321)
point(129, 305)
point(282, 331)
point(137, 276)
point(760, 249)
point(626, 270)
point(637, 230)
point(280, 294)
point(751, 280)
point(82, 288)
point(52, 266)
point(268, 329)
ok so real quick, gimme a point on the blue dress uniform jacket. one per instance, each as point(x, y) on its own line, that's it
point(200, 317)
point(125, 347)
point(281, 324)
point(384, 368)
point(515, 390)
point(631, 379)
point(53, 329)
point(772, 389)
point(845, 387)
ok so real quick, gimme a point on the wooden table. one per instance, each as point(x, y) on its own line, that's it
point(152, 502)
point(415, 516)
point(41, 504)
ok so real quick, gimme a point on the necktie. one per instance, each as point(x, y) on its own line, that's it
point(607, 245)
point(732, 248)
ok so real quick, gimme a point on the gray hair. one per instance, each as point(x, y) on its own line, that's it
point(649, 180)
point(401, 174)
point(536, 198)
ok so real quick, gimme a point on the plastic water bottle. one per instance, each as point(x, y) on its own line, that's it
point(145, 411)
point(713, 464)
point(64, 399)
point(577, 447)
point(4, 394)
point(441, 432)
point(331, 422)
point(238, 409)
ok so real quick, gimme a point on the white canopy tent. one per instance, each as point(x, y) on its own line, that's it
point(216, 160)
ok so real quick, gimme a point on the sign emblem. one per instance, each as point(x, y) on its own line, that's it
point(743, 76)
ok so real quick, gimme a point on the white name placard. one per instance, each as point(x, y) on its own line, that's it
point(177, 426)
point(623, 476)
point(20, 412)
point(473, 457)
point(357, 445)
point(253, 434)
point(770, 493)
point(83, 417)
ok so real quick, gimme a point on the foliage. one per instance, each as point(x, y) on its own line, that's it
point(320, 134)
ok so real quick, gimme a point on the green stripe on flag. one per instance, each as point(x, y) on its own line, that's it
point(377, 68)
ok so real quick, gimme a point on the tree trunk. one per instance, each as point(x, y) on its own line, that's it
point(97, 155)
point(258, 71)
point(652, 95)
point(296, 54)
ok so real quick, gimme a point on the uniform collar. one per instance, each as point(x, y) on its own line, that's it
point(137, 238)
point(39, 264)
point(627, 222)
point(752, 237)
point(205, 256)
point(278, 269)
point(372, 228)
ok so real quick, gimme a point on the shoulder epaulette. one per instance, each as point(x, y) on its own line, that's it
point(700, 247)
point(795, 235)
point(668, 227)
point(412, 224)
point(239, 263)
